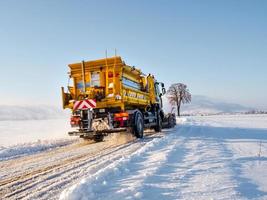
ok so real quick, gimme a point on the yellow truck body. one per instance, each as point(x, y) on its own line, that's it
point(120, 85)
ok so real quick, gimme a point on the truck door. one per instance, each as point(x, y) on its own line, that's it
point(158, 94)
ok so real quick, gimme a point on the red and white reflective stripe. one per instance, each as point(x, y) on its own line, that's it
point(84, 104)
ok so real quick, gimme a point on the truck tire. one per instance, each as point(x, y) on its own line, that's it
point(98, 138)
point(173, 119)
point(158, 127)
point(138, 125)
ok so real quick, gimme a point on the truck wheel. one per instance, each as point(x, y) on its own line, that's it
point(173, 121)
point(138, 126)
point(98, 138)
point(158, 127)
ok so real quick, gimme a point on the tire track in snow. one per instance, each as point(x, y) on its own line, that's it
point(18, 183)
point(32, 172)
point(70, 173)
point(22, 165)
point(24, 182)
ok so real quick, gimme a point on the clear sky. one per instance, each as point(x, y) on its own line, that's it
point(218, 48)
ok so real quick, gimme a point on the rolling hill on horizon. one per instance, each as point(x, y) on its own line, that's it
point(205, 105)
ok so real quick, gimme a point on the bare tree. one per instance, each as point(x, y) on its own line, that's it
point(177, 94)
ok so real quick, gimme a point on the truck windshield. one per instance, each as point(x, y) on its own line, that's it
point(157, 89)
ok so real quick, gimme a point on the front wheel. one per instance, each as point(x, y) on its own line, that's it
point(158, 126)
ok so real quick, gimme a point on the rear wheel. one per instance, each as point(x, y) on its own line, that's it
point(98, 138)
point(138, 125)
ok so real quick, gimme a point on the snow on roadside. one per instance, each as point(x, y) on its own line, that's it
point(11, 152)
point(245, 136)
point(256, 173)
point(250, 158)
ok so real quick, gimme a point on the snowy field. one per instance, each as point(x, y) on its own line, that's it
point(207, 157)
point(214, 157)
point(27, 131)
point(25, 137)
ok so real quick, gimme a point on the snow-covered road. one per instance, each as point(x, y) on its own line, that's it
point(201, 159)
point(215, 157)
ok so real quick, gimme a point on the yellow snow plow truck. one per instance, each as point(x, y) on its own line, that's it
point(109, 96)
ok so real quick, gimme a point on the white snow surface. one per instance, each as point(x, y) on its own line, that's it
point(211, 157)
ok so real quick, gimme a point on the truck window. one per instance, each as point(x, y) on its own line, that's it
point(95, 79)
point(129, 83)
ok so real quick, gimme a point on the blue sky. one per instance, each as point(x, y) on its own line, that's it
point(218, 48)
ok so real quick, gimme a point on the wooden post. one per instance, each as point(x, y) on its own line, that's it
point(83, 74)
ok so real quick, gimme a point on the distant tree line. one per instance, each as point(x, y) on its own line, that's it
point(256, 112)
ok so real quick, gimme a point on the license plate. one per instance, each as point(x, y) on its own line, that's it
point(102, 110)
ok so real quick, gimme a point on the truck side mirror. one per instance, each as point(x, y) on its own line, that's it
point(163, 90)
